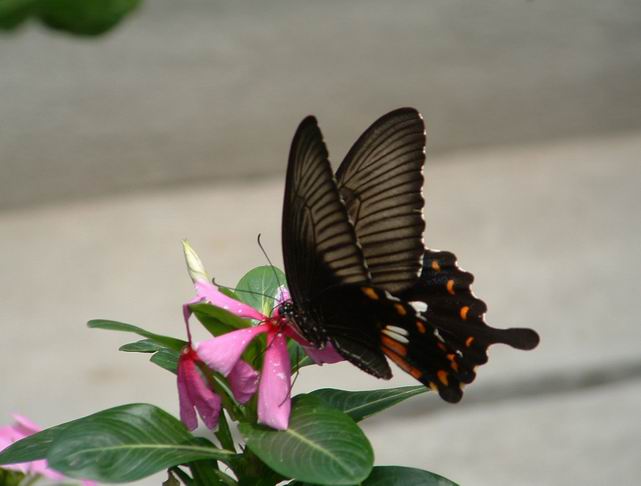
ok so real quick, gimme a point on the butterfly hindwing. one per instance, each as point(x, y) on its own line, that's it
point(351, 325)
point(381, 182)
point(458, 315)
point(365, 324)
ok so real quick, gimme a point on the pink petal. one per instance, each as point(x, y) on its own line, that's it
point(186, 366)
point(243, 380)
point(211, 294)
point(223, 352)
point(326, 355)
point(187, 311)
point(25, 426)
point(274, 403)
point(282, 295)
point(8, 435)
point(320, 356)
point(41, 467)
point(207, 403)
point(193, 393)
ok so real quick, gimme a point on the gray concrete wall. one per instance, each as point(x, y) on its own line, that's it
point(550, 231)
point(200, 90)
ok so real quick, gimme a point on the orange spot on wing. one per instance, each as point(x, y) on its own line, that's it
point(370, 292)
point(421, 327)
point(416, 373)
point(464, 311)
point(442, 376)
point(402, 364)
point(400, 309)
point(395, 346)
point(450, 286)
point(435, 266)
point(433, 386)
point(454, 365)
point(469, 341)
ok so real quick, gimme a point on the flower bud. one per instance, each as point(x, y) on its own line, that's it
point(195, 266)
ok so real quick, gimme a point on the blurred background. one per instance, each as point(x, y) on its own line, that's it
point(176, 123)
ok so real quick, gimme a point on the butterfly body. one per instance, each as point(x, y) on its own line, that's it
point(358, 272)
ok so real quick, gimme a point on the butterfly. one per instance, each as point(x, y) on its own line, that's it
point(357, 269)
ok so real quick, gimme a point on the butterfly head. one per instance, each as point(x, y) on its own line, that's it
point(285, 310)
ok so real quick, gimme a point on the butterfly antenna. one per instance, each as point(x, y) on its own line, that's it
point(234, 289)
point(260, 245)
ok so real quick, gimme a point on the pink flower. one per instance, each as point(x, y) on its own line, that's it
point(223, 353)
point(21, 429)
point(194, 393)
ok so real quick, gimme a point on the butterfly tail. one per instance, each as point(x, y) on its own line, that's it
point(443, 295)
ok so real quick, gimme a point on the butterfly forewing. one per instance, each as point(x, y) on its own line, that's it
point(381, 182)
point(319, 244)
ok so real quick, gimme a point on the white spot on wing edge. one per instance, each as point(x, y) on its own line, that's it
point(395, 337)
point(391, 297)
point(419, 306)
point(398, 330)
point(438, 336)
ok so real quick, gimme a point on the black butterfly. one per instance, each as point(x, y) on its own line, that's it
point(358, 272)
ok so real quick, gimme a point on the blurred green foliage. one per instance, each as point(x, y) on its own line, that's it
point(80, 17)
point(10, 478)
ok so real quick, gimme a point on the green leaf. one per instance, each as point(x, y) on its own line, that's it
point(85, 17)
point(32, 448)
point(251, 471)
point(171, 480)
point(258, 288)
point(223, 434)
point(397, 476)
point(322, 445)
point(204, 473)
point(180, 475)
point(297, 356)
point(11, 478)
point(82, 17)
point(227, 291)
point(14, 12)
point(216, 320)
point(404, 476)
point(166, 359)
point(362, 404)
point(166, 341)
point(127, 443)
point(219, 321)
point(143, 346)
